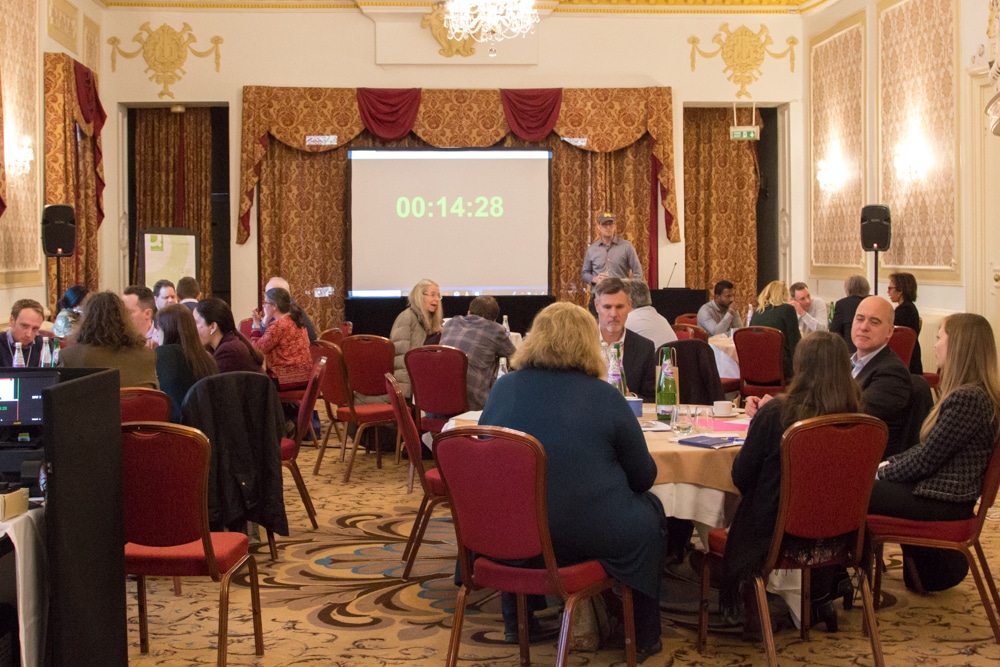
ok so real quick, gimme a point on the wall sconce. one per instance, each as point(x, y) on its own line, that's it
point(19, 159)
point(913, 157)
point(831, 173)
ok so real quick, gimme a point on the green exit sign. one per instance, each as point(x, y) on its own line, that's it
point(744, 132)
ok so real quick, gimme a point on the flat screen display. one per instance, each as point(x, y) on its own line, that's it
point(21, 395)
point(474, 221)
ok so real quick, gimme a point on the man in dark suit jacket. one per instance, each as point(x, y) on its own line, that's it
point(857, 288)
point(884, 379)
point(26, 317)
point(638, 356)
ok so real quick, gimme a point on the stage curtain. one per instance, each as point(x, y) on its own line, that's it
point(388, 113)
point(74, 174)
point(3, 161)
point(720, 216)
point(461, 118)
point(532, 113)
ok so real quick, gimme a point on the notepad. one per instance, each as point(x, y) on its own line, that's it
point(711, 442)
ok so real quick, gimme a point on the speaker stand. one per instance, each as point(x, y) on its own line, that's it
point(875, 284)
point(58, 279)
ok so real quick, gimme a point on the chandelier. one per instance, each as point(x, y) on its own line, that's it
point(489, 20)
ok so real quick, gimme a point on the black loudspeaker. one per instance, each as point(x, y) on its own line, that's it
point(58, 230)
point(876, 228)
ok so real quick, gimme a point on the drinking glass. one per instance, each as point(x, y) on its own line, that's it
point(682, 419)
point(703, 420)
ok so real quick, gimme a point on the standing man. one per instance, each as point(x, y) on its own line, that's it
point(189, 292)
point(26, 317)
point(644, 319)
point(278, 281)
point(141, 305)
point(811, 310)
point(610, 256)
point(164, 293)
point(483, 341)
point(718, 316)
point(638, 354)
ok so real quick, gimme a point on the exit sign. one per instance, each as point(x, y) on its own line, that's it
point(744, 132)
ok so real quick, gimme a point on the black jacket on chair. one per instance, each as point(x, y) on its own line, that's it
point(639, 364)
point(242, 417)
point(697, 375)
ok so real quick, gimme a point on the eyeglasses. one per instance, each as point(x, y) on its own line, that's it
point(268, 303)
point(433, 295)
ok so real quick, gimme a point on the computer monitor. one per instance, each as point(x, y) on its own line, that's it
point(21, 401)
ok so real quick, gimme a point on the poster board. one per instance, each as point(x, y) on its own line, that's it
point(167, 252)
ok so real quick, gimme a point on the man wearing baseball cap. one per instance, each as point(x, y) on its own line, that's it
point(610, 256)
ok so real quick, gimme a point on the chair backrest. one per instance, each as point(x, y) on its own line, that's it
point(334, 335)
point(991, 484)
point(334, 387)
point(368, 359)
point(698, 380)
point(691, 331)
point(140, 404)
point(438, 375)
point(407, 427)
point(308, 402)
point(760, 352)
point(245, 327)
point(496, 488)
point(902, 342)
point(828, 469)
point(687, 318)
point(346, 327)
point(165, 486)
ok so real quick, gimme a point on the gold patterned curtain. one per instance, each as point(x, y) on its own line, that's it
point(720, 198)
point(73, 173)
point(173, 178)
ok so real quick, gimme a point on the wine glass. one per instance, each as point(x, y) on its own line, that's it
point(682, 419)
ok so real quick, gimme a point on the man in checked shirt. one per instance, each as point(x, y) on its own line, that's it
point(484, 341)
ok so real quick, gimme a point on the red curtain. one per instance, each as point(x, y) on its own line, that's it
point(532, 113)
point(92, 112)
point(388, 113)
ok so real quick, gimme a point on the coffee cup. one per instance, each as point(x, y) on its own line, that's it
point(722, 408)
point(635, 403)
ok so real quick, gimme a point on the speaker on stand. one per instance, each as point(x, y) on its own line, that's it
point(876, 232)
point(58, 236)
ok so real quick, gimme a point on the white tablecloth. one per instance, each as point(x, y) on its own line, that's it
point(27, 532)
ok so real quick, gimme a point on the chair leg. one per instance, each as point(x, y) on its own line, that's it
point(416, 525)
point(224, 613)
point(272, 545)
point(140, 582)
point(989, 575)
point(456, 627)
point(628, 609)
point(706, 575)
point(870, 623)
point(879, 565)
point(806, 607)
point(177, 586)
point(980, 584)
point(258, 628)
point(378, 449)
point(417, 536)
point(565, 633)
point(301, 485)
point(523, 630)
point(354, 452)
point(765, 621)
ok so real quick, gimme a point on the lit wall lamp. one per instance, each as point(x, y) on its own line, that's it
point(19, 159)
point(831, 173)
point(913, 157)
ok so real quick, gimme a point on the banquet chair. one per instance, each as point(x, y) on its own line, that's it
point(334, 335)
point(827, 471)
point(495, 481)
point(246, 327)
point(954, 535)
point(165, 478)
point(698, 380)
point(438, 376)
point(303, 425)
point(762, 370)
point(933, 381)
point(690, 331)
point(347, 327)
point(430, 480)
point(902, 342)
point(140, 404)
point(368, 358)
point(295, 395)
point(687, 318)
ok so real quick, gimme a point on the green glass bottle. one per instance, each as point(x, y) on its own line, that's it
point(666, 388)
point(616, 374)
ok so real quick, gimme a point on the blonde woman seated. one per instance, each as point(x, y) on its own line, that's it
point(599, 468)
point(774, 311)
point(418, 325)
point(108, 339)
point(941, 478)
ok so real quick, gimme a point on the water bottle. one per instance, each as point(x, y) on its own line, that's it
point(45, 361)
point(749, 313)
point(616, 375)
point(666, 388)
point(55, 351)
point(18, 356)
point(502, 368)
point(506, 326)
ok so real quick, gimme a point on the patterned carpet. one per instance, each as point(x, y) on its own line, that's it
point(335, 598)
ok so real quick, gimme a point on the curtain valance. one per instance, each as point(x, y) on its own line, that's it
point(305, 119)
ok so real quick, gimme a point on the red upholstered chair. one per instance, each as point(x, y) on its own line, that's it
point(762, 371)
point(495, 478)
point(346, 327)
point(438, 375)
point(902, 342)
point(933, 380)
point(165, 484)
point(334, 335)
point(290, 446)
point(245, 326)
point(691, 331)
point(430, 480)
point(368, 358)
point(827, 471)
point(687, 318)
point(954, 535)
point(140, 404)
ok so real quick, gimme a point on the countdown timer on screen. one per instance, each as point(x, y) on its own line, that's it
point(474, 221)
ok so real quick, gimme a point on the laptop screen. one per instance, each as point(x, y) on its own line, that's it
point(21, 395)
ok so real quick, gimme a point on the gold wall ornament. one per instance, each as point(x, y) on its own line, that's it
point(434, 20)
point(165, 50)
point(743, 53)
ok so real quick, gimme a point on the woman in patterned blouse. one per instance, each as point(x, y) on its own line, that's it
point(284, 341)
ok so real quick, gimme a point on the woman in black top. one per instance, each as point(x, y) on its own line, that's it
point(903, 292)
point(181, 360)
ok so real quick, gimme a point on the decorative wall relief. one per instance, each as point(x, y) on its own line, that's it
point(91, 43)
point(64, 23)
point(743, 53)
point(434, 21)
point(165, 51)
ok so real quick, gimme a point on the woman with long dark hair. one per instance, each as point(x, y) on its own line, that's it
point(181, 360)
point(218, 333)
point(902, 291)
point(285, 342)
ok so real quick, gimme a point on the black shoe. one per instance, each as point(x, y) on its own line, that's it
point(537, 631)
point(616, 641)
point(824, 612)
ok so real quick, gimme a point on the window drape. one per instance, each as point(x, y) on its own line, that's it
point(389, 114)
